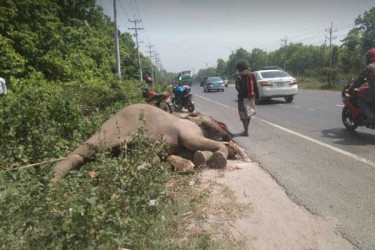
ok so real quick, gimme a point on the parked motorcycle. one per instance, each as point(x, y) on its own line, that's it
point(160, 100)
point(352, 115)
point(182, 98)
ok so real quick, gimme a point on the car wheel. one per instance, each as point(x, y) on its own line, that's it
point(289, 99)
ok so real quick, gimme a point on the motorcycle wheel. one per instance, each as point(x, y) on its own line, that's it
point(348, 120)
point(176, 104)
point(189, 106)
point(167, 107)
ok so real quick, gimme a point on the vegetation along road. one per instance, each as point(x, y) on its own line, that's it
point(306, 148)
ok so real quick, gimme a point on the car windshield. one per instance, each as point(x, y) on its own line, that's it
point(214, 79)
point(274, 74)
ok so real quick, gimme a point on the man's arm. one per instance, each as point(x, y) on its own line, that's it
point(362, 78)
point(237, 84)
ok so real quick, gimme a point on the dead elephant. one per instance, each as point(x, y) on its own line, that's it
point(196, 133)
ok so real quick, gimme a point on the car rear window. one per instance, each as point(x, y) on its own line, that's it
point(214, 79)
point(274, 74)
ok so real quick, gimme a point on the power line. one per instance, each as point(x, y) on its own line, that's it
point(131, 6)
point(124, 9)
point(136, 5)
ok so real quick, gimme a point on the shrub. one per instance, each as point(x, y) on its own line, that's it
point(36, 124)
point(106, 204)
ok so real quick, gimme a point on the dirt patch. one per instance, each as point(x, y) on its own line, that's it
point(247, 209)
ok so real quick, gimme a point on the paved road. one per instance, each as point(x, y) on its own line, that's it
point(304, 146)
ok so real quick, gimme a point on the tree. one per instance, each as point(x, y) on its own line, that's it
point(221, 68)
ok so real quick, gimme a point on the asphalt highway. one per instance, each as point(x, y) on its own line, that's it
point(305, 147)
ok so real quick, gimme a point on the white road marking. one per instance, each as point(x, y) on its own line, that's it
point(346, 153)
point(311, 109)
point(340, 105)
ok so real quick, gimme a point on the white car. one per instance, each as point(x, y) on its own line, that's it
point(276, 83)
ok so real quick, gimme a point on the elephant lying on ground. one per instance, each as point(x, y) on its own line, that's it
point(195, 133)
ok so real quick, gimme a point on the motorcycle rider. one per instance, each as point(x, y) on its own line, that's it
point(366, 75)
point(149, 81)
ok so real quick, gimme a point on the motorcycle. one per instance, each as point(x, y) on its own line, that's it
point(182, 98)
point(352, 115)
point(160, 100)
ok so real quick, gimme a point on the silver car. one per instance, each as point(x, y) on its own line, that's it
point(276, 83)
point(214, 83)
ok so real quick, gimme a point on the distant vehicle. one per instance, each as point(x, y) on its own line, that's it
point(204, 79)
point(184, 78)
point(214, 83)
point(276, 83)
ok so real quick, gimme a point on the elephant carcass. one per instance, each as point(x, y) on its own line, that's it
point(199, 133)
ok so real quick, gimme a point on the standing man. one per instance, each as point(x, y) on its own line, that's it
point(3, 87)
point(247, 89)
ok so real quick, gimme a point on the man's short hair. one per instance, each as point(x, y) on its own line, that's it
point(242, 65)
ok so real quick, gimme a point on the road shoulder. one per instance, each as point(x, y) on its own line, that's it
point(253, 212)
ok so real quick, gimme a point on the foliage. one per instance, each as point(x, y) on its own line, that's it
point(57, 58)
point(43, 122)
point(65, 41)
point(106, 204)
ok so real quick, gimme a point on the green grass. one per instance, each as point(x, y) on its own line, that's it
point(316, 84)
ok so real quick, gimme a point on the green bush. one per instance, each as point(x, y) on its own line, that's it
point(37, 125)
point(42, 121)
point(106, 204)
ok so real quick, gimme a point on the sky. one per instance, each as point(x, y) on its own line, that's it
point(193, 34)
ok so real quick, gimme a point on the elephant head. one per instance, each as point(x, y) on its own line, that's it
point(211, 128)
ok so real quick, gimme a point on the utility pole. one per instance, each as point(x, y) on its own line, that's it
point(116, 41)
point(284, 43)
point(161, 70)
point(135, 28)
point(156, 61)
point(235, 61)
point(331, 37)
point(149, 46)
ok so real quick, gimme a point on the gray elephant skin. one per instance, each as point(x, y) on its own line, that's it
point(195, 133)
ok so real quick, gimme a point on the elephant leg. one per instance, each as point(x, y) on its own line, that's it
point(84, 152)
point(198, 142)
point(180, 164)
point(72, 161)
point(201, 158)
